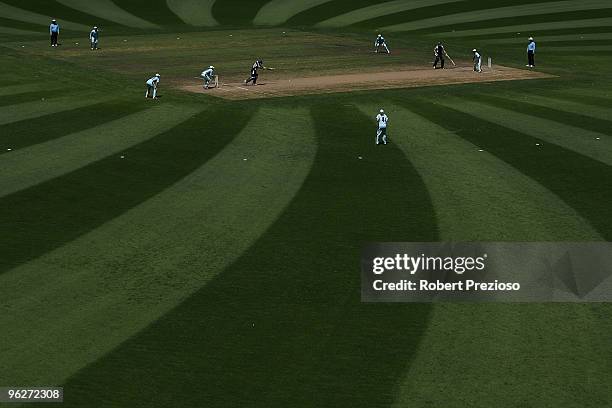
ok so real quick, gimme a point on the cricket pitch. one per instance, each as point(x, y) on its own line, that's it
point(414, 77)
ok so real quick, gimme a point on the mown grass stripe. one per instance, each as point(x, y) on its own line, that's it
point(217, 212)
point(33, 96)
point(578, 48)
point(282, 319)
point(88, 197)
point(194, 12)
point(17, 31)
point(155, 11)
point(531, 29)
point(237, 12)
point(277, 12)
point(526, 342)
point(471, 203)
point(479, 197)
point(22, 134)
point(380, 10)
point(59, 11)
point(36, 164)
point(577, 179)
point(551, 38)
point(108, 10)
point(577, 121)
point(501, 12)
point(30, 110)
point(31, 87)
point(569, 137)
point(15, 13)
point(596, 94)
point(565, 105)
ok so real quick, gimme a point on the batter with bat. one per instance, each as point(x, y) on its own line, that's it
point(254, 72)
point(439, 54)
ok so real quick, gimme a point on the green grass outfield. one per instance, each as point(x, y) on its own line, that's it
point(197, 252)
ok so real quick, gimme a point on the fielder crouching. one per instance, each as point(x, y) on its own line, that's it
point(152, 86)
point(208, 75)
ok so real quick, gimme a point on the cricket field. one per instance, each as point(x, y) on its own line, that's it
point(202, 249)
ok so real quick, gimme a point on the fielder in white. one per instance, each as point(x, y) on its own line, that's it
point(208, 75)
point(93, 38)
point(477, 61)
point(381, 133)
point(152, 86)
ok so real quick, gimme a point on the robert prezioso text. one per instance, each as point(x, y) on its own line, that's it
point(425, 285)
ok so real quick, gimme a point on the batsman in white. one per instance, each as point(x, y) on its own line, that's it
point(208, 75)
point(477, 60)
point(380, 42)
point(381, 133)
point(152, 86)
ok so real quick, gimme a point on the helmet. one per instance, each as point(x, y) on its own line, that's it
point(95, 27)
point(157, 75)
point(54, 21)
point(382, 111)
point(530, 38)
point(211, 67)
point(474, 50)
point(439, 42)
point(380, 35)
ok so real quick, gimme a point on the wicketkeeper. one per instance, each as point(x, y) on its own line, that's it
point(152, 86)
point(254, 74)
point(208, 75)
point(477, 61)
point(381, 133)
point(54, 30)
point(380, 42)
point(93, 38)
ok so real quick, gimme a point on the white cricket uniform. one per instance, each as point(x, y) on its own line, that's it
point(152, 86)
point(381, 133)
point(207, 75)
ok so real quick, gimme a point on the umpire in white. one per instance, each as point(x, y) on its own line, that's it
point(531, 49)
